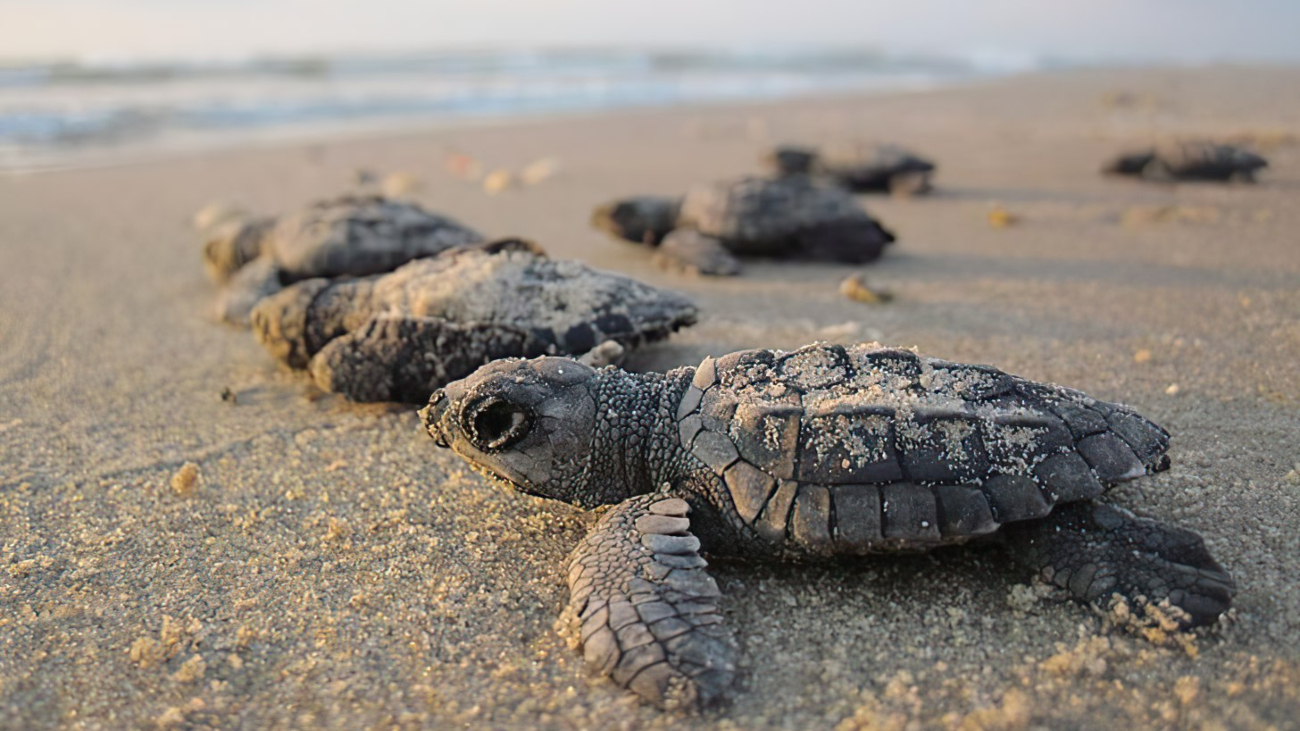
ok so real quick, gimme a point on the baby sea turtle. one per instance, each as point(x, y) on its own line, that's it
point(818, 452)
point(859, 168)
point(401, 335)
point(1189, 161)
point(345, 236)
point(707, 229)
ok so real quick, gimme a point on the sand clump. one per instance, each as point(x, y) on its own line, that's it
point(185, 480)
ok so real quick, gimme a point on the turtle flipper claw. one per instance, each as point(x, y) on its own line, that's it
point(1095, 551)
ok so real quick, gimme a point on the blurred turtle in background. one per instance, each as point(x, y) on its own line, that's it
point(254, 256)
point(706, 230)
point(1195, 160)
point(858, 168)
point(402, 335)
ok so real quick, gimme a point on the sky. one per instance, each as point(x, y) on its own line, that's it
point(1169, 30)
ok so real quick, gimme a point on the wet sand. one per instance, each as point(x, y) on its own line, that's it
point(323, 566)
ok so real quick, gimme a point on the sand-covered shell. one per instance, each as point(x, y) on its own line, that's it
point(401, 335)
point(361, 235)
point(875, 448)
point(761, 216)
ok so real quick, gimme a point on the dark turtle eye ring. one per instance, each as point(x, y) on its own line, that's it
point(494, 423)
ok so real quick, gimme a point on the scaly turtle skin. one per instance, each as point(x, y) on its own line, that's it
point(400, 336)
point(789, 217)
point(818, 452)
point(345, 236)
point(1189, 161)
point(879, 169)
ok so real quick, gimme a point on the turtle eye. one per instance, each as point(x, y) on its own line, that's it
point(495, 423)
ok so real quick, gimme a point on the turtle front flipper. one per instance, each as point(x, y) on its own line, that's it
point(646, 610)
point(691, 251)
point(233, 242)
point(397, 358)
point(1095, 551)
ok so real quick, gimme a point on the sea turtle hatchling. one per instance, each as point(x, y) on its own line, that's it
point(399, 336)
point(858, 168)
point(822, 451)
point(790, 217)
point(253, 257)
point(1190, 160)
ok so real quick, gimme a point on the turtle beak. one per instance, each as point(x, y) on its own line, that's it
point(431, 415)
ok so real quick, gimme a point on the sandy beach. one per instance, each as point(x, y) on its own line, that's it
point(326, 567)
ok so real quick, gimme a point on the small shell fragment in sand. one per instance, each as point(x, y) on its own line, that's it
point(497, 181)
point(464, 166)
point(1000, 217)
point(398, 185)
point(855, 287)
point(539, 171)
point(1172, 390)
point(185, 479)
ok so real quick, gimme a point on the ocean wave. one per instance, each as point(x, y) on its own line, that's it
point(78, 103)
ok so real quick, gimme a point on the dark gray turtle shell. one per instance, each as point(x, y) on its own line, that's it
point(828, 449)
point(360, 235)
point(857, 167)
point(759, 216)
point(401, 335)
point(1189, 160)
point(562, 301)
point(1207, 160)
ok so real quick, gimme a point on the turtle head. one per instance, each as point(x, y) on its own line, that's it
point(528, 423)
point(231, 241)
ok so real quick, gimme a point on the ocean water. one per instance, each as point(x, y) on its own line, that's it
point(57, 113)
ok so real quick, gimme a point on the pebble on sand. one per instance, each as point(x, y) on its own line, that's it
point(498, 181)
point(855, 287)
point(399, 185)
point(539, 171)
point(185, 479)
point(1000, 217)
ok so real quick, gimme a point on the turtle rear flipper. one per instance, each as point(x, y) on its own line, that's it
point(645, 609)
point(1096, 551)
point(396, 358)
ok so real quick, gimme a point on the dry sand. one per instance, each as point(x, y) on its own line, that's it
point(285, 560)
